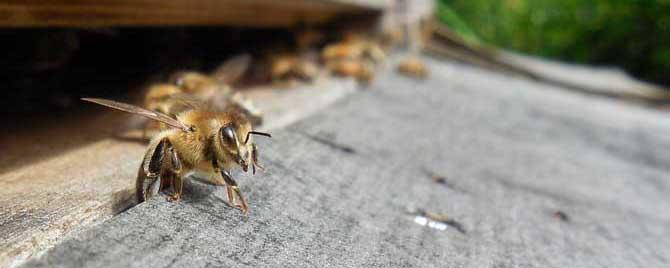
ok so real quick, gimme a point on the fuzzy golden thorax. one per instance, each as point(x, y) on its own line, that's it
point(192, 82)
point(158, 93)
point(200, 85)
point(216, 136)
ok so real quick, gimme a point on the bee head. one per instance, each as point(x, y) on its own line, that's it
point(233, 147)
point(239, 150)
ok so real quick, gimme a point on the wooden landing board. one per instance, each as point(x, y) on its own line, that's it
point(62, 174)
point(105, 13)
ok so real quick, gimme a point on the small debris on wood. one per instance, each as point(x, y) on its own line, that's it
point(330, 143)
point(435, 220)
point(437, 178)
point(560, 215)
point(413, 67)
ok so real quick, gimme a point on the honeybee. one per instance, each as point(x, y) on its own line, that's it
point(354, 56)
point(413, 67)
point(198, 140)
point(299, 61)
point(354, 47)
point(288, 66)
point(363, 71)
point(161, 97)
point(156, 96)
point(218, 82)
point(187, 88)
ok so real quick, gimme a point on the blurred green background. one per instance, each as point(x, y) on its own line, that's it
point(631, 34)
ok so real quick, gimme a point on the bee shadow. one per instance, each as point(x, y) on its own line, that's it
point(204, 195)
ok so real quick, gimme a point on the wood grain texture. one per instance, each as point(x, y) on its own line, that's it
point(89, 13)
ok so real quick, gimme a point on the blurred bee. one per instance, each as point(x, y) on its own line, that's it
point(289, 66)
point(354, 56)
point(363, 71)
point(354, 46)
point(189, 87)
point(159, 97)
point(199, 140)
point(413, 67)
point(218, 82)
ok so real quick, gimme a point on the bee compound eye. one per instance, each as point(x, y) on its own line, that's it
point(228, 135)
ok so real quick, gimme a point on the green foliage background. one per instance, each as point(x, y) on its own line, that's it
point(633, 34)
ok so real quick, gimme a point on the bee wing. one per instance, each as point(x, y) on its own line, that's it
point(140, 111)
point(186, 102)
point(189, 100)
point(232, 69)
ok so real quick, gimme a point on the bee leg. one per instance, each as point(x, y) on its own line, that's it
point(234, 191)
point(178, 186)
point(150, 170)
point(147, 187)
point(175, 171)
point(254, 158)
point(160, 173)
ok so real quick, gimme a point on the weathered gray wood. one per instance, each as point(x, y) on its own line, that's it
point(340, 185)
point(609, 82)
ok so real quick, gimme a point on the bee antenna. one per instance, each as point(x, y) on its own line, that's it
point(256, 133)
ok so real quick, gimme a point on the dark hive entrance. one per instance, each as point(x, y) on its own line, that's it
point(47, 70)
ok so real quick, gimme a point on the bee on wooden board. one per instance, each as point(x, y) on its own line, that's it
point(188, 87)
point(199, 140)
